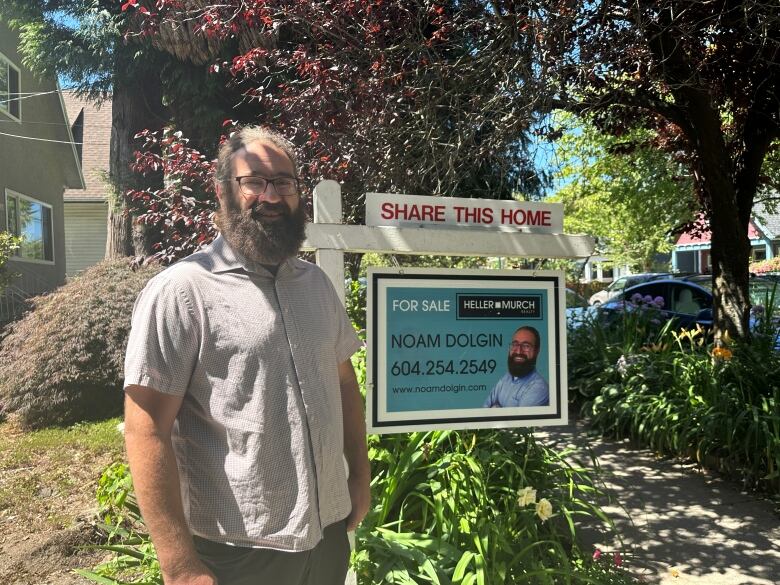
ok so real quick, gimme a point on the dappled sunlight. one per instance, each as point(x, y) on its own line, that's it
point(675, 518)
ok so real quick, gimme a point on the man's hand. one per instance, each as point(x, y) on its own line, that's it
point(196, 574)
point(360, 495)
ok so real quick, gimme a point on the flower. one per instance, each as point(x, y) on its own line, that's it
point(526, 496)
point(757, 311)
point(723, 353)
point(544, 509)
point(659, 302)
point(597, 554)
point(618, 559)
point(636, 298)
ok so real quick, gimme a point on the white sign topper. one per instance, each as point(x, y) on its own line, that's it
point(386, 209)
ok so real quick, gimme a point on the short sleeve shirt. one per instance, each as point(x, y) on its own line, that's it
point(259, 438)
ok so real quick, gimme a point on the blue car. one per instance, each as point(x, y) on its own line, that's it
point(689, 299)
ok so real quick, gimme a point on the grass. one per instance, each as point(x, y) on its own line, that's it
point(48, 476)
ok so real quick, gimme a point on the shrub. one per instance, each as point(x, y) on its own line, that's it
point(62, 362)
point(8, 246)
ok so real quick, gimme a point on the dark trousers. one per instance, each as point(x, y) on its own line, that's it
point(325, 564)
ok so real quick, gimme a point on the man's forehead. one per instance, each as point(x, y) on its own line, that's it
point(263, 157)
point(523, 333)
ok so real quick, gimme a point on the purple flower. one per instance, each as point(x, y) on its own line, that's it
point(648, 299)
point(659, 302)
point(636, 298)
point(757, 310)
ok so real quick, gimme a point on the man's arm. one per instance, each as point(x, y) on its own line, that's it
point(355, 449)
point(149, 417)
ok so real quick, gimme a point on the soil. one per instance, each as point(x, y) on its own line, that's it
point(48, 516)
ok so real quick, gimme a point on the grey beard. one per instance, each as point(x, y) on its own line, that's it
point(520, 370)
point(259, 240)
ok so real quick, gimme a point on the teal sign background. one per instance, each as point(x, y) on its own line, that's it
point(435, 361)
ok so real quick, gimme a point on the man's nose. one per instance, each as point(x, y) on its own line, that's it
point(269, 194)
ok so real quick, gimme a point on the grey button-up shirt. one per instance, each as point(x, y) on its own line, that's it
point(259, 437)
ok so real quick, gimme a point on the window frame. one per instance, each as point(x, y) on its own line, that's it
point(5, 107)
point(18, 257)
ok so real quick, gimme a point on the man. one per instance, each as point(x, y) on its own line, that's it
point(522, 385)
point(241, 403)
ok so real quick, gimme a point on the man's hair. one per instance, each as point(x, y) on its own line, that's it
point(241, 138)
point(533, 332)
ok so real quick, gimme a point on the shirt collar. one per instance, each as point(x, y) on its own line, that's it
point(226, 259)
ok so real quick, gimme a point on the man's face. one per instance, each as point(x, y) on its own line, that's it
point(266, 227)
point(522, 354)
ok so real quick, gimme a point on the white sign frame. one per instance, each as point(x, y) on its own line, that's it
point(380, 420)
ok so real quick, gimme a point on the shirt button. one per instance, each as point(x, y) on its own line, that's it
point(295, 346)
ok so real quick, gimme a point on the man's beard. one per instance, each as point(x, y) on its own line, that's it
point(521, 369)
point(261, 239)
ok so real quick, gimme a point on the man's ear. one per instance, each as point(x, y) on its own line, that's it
point(220, 193)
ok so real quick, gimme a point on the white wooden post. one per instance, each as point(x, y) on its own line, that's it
point(327, 209)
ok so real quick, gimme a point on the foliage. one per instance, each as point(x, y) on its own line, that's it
point(676, 393)
point(9, 244)
point(705, 76)
point(62, 362)
point(622, 190)
point(390, 96)
point(468, 507)
point(766, 266)
point(473, 507)
point(356, 304)
point(490, 507)
point(134, 559)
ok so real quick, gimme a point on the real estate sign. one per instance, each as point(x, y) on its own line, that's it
point(383, 209)
point(460, 349)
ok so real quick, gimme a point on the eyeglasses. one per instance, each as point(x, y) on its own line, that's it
point(254, 186)
point(525, 346)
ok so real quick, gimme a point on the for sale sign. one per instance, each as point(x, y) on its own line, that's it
point(456, 349)
point(383, 209)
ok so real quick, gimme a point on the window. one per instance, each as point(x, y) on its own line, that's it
point(30, 219)
point(9, 89)
point(759, 253)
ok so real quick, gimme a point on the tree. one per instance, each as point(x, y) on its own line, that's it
point(379, 95)
point(82, 41)
point(630, 195)
point(706, 76)
point(449, 88)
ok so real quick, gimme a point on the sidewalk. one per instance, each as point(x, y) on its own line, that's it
point(680, 526)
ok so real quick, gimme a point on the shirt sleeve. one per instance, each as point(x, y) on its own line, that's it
point(347, 340)
point(162, 348)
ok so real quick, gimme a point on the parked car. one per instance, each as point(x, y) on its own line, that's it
point(689, 300)
point(617, 286)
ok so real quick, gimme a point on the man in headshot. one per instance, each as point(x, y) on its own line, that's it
point(241, 404)
point(522, 385)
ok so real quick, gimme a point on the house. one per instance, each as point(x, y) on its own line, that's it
point(38, 160)
point(692, 251)
point(86, 210)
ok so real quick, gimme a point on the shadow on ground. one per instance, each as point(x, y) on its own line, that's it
point(679, 525)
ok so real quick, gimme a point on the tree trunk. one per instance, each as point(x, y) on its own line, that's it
point(136, 105)
point(730, 253)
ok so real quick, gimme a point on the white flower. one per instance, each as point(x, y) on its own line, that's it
point(526, 496)
point(544, 509)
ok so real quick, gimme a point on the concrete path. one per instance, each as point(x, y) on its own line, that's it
point(680, 526)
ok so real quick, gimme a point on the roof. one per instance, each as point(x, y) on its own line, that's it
point(91, 125)
point(768, 219)
point(763, 224)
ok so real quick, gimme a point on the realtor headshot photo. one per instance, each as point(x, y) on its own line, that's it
point(522, 384)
